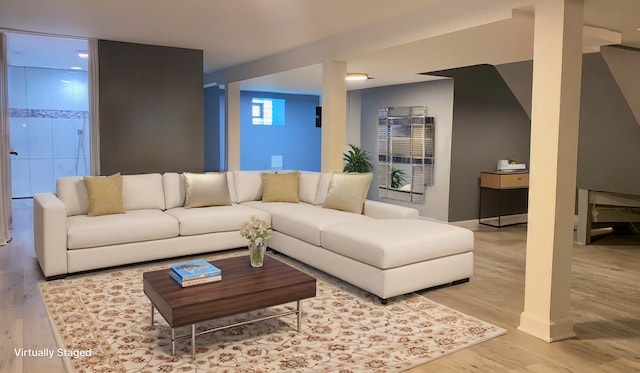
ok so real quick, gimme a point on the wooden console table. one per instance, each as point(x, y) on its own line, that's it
point(503, 194)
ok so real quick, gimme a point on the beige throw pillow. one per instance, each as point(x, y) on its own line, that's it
point(210, 189)
point(280, 187)
point(105, 194)
point(347, 192)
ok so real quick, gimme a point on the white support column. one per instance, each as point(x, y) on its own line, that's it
point(232, 123)
point(557, 70)
point(334, 115)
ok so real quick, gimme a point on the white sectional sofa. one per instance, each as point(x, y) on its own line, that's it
point(386, 249)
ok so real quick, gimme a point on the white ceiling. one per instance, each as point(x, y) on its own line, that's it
point(45, 51)
point(280, 44)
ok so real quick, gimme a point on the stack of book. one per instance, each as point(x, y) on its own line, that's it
point(194, 273)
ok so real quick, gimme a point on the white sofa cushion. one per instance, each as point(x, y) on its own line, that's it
point(390, 243)
point(143, 191)
point(72, 191)
point(214, 219)
point(248, 185)
point(308, 184)
point(232, 187)
point(133, 226)
point(277, 207)
point(382, 210)
point(323, 188)
point(174, 191)
point(302, 220)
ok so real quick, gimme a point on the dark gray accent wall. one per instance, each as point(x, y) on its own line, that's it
point(488, 124)
point(609, 134)
point(151, 108)
point(623, 63)
point(609, 139)
point(518, 76)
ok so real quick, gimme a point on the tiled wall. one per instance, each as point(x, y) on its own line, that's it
point(49, 127)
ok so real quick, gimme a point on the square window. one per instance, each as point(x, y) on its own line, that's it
point(267, 112)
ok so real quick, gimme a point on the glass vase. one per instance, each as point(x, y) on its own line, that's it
point(256, 254)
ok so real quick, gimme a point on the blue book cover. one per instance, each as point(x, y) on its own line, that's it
point(197, 281)
point(195, 269)
point(175, 277)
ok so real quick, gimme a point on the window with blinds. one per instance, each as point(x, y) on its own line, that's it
point(405, 152)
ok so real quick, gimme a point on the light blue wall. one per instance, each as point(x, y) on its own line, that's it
point(298, 141)
point(213, 136)
point(49, 127)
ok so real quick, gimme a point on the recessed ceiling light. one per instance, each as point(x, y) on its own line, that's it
point(357, 76)
point(76, 68)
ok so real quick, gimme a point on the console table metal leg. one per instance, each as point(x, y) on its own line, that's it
point(173, 342)
point(193, 341)
point(299, 315)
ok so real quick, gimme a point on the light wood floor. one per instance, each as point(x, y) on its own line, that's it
point(605, 306)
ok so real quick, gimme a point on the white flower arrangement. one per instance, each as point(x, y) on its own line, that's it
point(257, 231)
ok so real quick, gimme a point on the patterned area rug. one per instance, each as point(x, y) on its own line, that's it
point(103, 321)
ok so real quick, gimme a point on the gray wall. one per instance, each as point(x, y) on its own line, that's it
point(488, 124)
point(437, 96)
point(491, 109)
point(518, 76)
point(609, 135)
point(151, 108)
point(609, 140)
point(623, 63)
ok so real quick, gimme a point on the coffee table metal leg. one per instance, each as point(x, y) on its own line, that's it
point(299, 315)
point(152, 313)
point(193, 341)
point(173, 342)
point(297, 311)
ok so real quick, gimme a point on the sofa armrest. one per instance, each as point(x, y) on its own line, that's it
point(382, 210)
point(50, 234)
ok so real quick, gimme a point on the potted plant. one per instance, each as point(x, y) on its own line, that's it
point(356, 160)
point(397, 177)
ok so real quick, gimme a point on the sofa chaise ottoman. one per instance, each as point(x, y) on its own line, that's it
point(392, 257)
point(387, 257)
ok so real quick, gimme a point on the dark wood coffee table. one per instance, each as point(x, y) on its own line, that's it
point(241, 290)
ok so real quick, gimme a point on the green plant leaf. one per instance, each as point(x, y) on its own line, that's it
point(356, 160)
point(397, 177)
